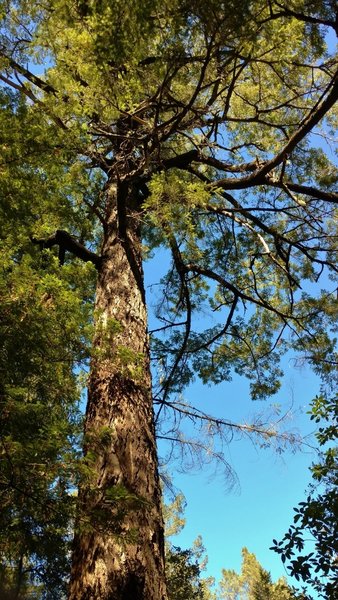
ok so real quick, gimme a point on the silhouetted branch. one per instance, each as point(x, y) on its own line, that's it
point(67, 243)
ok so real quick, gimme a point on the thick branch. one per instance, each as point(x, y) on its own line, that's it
point(181, 161)
point(42, 85)
point(67, 243)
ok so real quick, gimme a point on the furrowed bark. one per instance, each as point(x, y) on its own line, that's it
point(119, 543)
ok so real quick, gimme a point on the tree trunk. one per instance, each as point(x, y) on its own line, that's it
point(119, 544)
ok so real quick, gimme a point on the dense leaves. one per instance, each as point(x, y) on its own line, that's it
point(44, 335)
point(183, 575)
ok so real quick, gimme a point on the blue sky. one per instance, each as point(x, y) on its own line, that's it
point(259, 507)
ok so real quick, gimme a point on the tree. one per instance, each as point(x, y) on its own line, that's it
point(253, 583)
point(183, 574)
point(184, 567)
point(315, 518)
point(187, 126)
point(43, 329)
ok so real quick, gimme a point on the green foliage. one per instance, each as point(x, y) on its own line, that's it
point(40, 431)
point(43, 329)
point(173, 516)
point(108, 65)
point(184, 568)
point(183, 575)
point(253, 583)
point(315, 518)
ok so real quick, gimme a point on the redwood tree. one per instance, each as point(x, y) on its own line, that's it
point(190, 126)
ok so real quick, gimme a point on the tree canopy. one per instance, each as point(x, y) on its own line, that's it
point(206, 130)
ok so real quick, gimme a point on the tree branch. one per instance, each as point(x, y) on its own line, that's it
point(67, 243)
point(185, 299)
point(306, 190)
point(314, 116)
point(210, 274)
point(42, 85)
point(288, 12)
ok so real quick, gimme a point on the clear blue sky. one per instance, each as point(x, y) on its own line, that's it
point(260, 506)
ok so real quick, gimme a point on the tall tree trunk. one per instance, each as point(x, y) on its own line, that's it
point(119, 545)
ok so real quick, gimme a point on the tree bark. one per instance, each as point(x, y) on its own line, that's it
point(119, 542)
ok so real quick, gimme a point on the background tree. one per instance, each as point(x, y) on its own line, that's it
point(315, 518)
point(184, 568)
point(183, 574)
point(192, 127)
point(253, 583)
